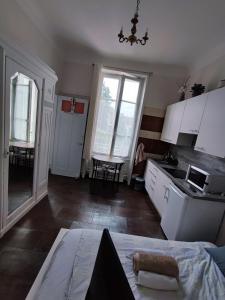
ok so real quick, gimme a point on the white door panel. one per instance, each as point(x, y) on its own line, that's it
point(68, 141)
point(193, 114)
point(44, 145)
point(211, 134)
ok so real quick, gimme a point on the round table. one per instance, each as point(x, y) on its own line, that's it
point(107, 168)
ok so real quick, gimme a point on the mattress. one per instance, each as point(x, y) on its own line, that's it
point(67, 271)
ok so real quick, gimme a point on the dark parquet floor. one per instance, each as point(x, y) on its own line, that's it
point(24, 248)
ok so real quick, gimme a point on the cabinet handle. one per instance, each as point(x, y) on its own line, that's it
point(165, 195)
point(194, 130)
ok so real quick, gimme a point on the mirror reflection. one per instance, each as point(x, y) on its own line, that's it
point(23, 112)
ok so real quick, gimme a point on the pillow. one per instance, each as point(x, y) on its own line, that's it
point(218, 255)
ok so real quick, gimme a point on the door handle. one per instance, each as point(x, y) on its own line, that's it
point(6, 153)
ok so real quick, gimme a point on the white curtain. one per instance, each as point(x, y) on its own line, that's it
point(92, 118)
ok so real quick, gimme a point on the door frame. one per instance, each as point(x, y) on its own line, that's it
point(11, 68)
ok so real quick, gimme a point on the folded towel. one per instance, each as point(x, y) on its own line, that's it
point(157, 281)
point(160, 264)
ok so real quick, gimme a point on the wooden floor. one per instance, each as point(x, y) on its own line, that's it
point(24, 248)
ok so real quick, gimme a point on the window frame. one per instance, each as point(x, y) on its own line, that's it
point(122, 78)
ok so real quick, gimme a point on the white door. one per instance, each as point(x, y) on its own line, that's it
point(21, 128)
point(211, 134)
point(193, 113)
point(68, 140)
point(172, 123)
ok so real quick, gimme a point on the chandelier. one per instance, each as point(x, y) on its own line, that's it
point(132, 38)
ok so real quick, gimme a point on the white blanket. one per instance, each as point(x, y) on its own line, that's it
point(69, 273)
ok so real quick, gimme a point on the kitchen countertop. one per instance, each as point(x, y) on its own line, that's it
point(185, 186)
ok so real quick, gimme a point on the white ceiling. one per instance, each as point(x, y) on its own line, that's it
point(182, 31)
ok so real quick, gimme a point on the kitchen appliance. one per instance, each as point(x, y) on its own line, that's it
point(206, 181)
point(190, 219)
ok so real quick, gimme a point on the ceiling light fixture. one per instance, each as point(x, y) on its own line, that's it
point(132, 38)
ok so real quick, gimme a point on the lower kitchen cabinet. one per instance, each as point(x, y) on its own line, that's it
point(183, 217)
point(161, 190)
point(191, 219)
point(156, 183)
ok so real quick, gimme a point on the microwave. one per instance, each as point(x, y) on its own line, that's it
point(208, 182)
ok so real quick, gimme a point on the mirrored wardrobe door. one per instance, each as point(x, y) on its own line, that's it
point(21, 123)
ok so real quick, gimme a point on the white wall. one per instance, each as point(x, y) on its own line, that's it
point(161, 90)
point(17, 28)
point(209, 75)
point(76, 79)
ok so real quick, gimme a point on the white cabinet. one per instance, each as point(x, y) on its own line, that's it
point(211, 134)
point(190, 219)
point(28, 87)
point(172, 122)
point(44, 147)
point(155, 183)
point(193, 113)
point(161, 190)
point(150, 179)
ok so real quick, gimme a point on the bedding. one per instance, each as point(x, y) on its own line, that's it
point(69, 270)
point(218, 255)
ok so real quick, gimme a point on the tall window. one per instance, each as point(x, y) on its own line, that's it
point(118, 106)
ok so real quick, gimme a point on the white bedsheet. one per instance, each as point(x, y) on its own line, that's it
point(69, 273)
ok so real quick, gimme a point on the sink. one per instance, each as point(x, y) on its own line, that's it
point(176, 173)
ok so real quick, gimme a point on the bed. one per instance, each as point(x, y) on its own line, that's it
point(67, 270)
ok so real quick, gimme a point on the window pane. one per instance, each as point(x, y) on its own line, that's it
point(20, 130)
point(125, 127)
point(109, 88)
point(106, 116)
point(130, 90)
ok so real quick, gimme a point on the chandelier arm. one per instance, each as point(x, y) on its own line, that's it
point(137, 7)
point(122, 39)
point(141, 41)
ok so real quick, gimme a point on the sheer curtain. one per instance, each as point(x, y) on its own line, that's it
point(92, 118)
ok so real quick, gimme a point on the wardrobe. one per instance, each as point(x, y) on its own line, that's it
point(27, 88)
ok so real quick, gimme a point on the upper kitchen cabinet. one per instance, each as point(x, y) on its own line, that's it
point(172, 122)
point(193, 113)
point(211, 134)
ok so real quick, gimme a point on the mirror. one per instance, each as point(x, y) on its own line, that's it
point(23, 114)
